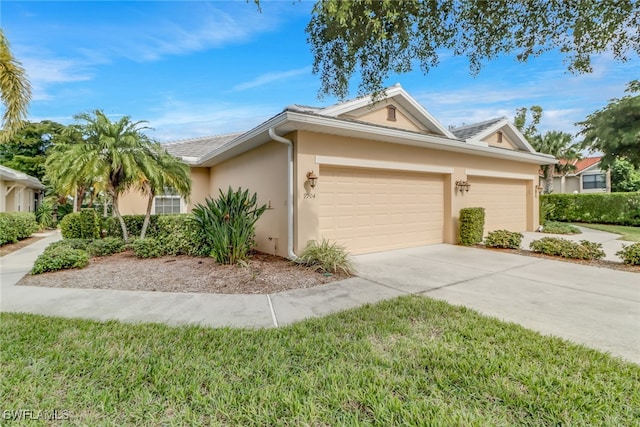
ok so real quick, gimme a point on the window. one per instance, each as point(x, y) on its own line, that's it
point(168, 203)
point(391, 113)
point(590, 182)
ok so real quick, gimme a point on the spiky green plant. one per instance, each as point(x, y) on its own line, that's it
point(327, 256)
point(228, 223)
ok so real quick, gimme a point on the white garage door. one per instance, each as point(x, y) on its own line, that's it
point(504, 201)
point(370, 210)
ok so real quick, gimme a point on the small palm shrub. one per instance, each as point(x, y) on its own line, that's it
point(60, 258)
point(106, 246)
point(228, 224)
point(147, 248)
point(471, 226)
point(553, 227)
point(44, 215)
point(326, 256)
point(630, 254)
point(503, 239)
point(567, 249)
point(547, 209)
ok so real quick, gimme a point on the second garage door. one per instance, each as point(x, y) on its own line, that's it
point(504, 201)
point(370, 210)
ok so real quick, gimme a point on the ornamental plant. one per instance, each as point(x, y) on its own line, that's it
point(326, 256)
point(503, 239)
point(556, 246)
point(630, 254)
point(471, 226)
point(228, 224)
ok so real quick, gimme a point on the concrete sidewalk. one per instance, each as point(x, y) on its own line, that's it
point(594, 306)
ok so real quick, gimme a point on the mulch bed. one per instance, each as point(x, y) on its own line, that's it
point(12, 247)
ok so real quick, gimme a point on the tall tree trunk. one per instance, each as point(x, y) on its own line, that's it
point(147, 216)
point(548, 180)
point(123, 226)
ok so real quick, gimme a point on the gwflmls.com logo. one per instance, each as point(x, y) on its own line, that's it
point(30, 414)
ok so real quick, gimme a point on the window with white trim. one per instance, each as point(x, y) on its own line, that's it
point(169, 202)
point(591, 182)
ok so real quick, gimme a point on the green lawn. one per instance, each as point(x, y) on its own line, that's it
point(409, 361)
point(631, 234)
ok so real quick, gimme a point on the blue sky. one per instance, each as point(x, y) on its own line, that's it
point(205, 68)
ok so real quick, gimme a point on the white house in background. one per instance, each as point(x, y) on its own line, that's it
point(587, 177)
point(19, 192)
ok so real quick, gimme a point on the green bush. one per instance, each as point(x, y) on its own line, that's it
point(603, 208)
point(630, 254)
point(471, 225)
point(106, 246)
point(60, 258)
point(112, 228)
point(567, 249)
point(326, 256)
point(147, 248)
point(16, 226)
point(553, 227)
point(44, 215)
point(228, 224)
point(547, 209)
point(71, 244)
point(81, 225)
point(180, 235)
point(503, 239)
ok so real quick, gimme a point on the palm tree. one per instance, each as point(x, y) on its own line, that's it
point(15, 90)
point(560, 145)
point(160, 172)
point(113, 155)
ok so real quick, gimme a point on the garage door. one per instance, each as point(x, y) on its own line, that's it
point(370, 210)
point(504, 201)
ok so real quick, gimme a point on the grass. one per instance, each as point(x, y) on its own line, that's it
point(628, 233)
point(408, 361)
point(553, 227)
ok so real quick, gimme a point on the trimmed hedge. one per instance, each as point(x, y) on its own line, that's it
point(603, 208)
point(60, 258)
point(568, 249)
point(81, 225)
point(16, 226)
point(503, 239)
point(112, 228)
point(471, 226)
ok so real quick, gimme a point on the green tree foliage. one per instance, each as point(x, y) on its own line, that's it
point(561, 146)
point(28, 148)
point(377, 38)
point(114, 156)
point(615, 129)
point(15, 90)
point(530, 129)
point(624, 177)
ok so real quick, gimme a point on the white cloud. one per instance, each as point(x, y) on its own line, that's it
point(267, 78)
point(44, 72)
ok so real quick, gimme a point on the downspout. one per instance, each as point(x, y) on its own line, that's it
point(272, 134)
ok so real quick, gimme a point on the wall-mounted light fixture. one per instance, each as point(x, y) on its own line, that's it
point(462, 186)
point(539, 189)
point(312, 178)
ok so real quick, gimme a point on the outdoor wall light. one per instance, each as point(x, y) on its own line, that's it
point(312, 178)
point(462, 186)
point(539, 189)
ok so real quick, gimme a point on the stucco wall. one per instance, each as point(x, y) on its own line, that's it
point(309, 145)
point(379, 116)
point(492, 140)
point(200, 181)
point(262, 170)
point(133, 202)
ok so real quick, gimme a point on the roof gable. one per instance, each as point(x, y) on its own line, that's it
point(477, 133)
point(395, 96)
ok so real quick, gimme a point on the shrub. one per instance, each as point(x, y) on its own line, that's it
point(567, 249)
point(630, 254)
point(553, 227)
point(71, 244)
point(547, 209)
point(503, 239)
point(604, 208)
point(112, 228)
point(180, 235)
point(44, 215)
point(16, 226)
point(146, 248)
point(60, 258)
point(471, 225)
point(326, 256)
point(81, 225)
point(228, 224)
point(106, 246)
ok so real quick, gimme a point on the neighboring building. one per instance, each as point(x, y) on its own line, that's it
point(19, 192)
point(389, 175)
point(587, 177)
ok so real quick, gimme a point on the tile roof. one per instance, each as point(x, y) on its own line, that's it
point(198, 147)
point(580, 165)
point(468, 131)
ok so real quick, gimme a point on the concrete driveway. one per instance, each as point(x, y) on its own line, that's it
point(593, 306)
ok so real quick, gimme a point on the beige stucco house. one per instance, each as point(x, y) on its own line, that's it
point(19, 192)
point(587, 177)
point(389, 175)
